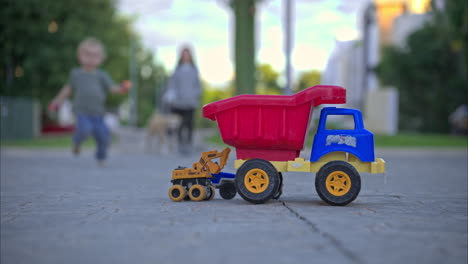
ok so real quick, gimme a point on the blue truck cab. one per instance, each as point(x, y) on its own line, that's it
point(357, 141)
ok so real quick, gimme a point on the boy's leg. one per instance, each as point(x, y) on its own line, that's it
point(101, 134)
point(82, 131)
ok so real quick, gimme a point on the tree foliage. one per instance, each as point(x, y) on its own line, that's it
point(150, 82)
point(308, 79)
point(211, 94)
point(39, 40)
point(430, 72)
point(267, 80)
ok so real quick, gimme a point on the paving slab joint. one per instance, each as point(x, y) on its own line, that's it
point(333, 240)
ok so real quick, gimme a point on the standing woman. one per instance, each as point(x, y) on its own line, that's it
point(184, 89)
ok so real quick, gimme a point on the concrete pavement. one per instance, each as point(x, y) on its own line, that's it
point(56, 208)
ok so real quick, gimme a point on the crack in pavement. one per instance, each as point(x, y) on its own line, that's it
point(12, 214)
point(333, 240)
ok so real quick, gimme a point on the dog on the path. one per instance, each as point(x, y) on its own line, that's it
point(164, 128)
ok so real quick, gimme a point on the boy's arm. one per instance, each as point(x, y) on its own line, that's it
point(123, 88)
point(61, 96)
point(111, 87)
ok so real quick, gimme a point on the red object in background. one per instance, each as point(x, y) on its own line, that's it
point(56, 129)
point(53, 107)
point(270, 127)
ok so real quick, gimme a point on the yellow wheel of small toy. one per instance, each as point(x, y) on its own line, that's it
point(177, 193)
point(212, 193)
point(256, 180)
point(338, 183)
point(197, 192)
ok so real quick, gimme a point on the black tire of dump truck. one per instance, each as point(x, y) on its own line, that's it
point(257, 181)
point(227, 190)
point(280, 189)
point(338, 183)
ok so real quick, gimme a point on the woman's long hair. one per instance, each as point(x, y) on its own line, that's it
point(192, 59)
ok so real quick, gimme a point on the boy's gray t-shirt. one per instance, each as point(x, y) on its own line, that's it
point(90, 91)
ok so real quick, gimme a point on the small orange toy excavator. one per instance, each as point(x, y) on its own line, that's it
point(196, 181)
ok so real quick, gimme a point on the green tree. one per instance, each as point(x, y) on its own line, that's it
point(211, 94)
point(39, 40)
point(430, 72)
point(151, 79)
point(308, 79)
point(267, 80)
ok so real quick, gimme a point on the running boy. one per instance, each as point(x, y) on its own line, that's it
point(90, 87)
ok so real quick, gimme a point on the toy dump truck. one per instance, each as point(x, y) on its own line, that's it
point(268, 133)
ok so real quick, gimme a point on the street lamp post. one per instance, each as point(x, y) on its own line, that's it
point(133, 95)
point(288, 45)
point(244, 12)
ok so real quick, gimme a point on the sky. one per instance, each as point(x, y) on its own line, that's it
point(208, 27)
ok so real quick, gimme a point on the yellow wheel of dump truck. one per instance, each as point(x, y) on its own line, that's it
point(338, 183)
point(257, 181)
point(197, 192)
point(177, 193)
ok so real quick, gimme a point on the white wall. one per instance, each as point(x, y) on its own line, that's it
point(406, 24)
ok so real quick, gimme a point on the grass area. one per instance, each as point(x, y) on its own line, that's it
point(62, 141)
point(421, 140)
point(216, 140)
point(403, 140)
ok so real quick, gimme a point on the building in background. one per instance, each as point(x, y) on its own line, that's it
point(406, 24)
point(344, 69)
point(382, 22)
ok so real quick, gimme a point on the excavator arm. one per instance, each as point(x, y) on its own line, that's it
point(206, 161)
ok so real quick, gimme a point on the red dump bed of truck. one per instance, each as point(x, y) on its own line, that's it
point(270, 127)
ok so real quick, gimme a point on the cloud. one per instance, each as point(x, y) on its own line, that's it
point(144, 7)
point(208, 25)
point(307, 57)
point(329, 17)
point(217, 66)
point(352, 7)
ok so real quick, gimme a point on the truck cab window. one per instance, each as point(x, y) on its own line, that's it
point(340, 122)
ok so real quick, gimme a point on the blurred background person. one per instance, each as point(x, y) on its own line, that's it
point(90, 87)
point(183, 95)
